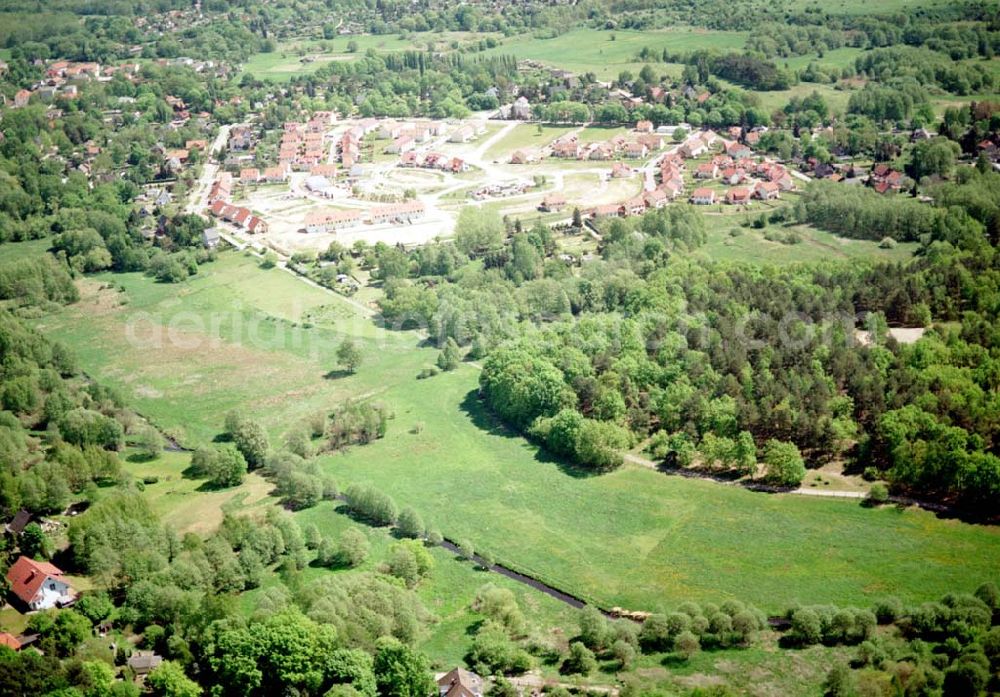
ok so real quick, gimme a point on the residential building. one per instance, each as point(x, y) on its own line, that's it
point(767, 191)
point(521, 109)
point(256, 225)
point(460, 683)
point(738, 195)
point(635, 150)
point(706, 170)
point(144, 662)
point(657, 198)
point(330, 220)
point(693, 147)
point(276, 175)
point(404, 212)
point(320, 185)
point(210, 237)
point(553, 202)
point(39, 584)
point(703, 197)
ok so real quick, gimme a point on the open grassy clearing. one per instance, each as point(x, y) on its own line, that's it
point(837, 58)
point(12, 251)
point(633, 538)
point(599, 134)
point(235, 335)
point(524, 136)
point(606, 56)
point(816, 245)
point(285, 61)
point(643, 540)
point(836, 99)
point(189, 505)
point(447, 592)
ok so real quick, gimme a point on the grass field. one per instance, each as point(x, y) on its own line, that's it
point(816, 245)
point(837, 58)
point(633, 538)
point(643, 540)
point(11, 251)
point(447, 592)
point(593, 50)
point(599, 134)
point(235, 335)
point(285, 62)
point(777, 99)
point(524, 136)
point(186, 504)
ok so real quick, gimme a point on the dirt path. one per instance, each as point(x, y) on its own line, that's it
point(801, 491)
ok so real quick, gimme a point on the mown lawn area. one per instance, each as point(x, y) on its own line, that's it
point(608, 52)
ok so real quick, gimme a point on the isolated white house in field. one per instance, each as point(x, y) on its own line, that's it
point(38, 584)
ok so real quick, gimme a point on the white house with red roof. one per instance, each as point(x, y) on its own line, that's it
point(39, 584)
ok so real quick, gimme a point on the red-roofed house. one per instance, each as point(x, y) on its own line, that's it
point(39, 584)
point(256, 225)
point(706, 171)
point(703, 197)
point(10, 641)
point(636, 150)
point(644, 126)
point(553, 202)
point(766, 191)
point(22, 98)
point(657, 198)
point(635, 206)
point(738, 195)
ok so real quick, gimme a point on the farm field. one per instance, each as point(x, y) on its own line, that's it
point(634, 538)
point(607, 57)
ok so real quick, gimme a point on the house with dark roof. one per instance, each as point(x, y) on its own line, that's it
point(459, 682)
point(39, 584)
point(21, 519)
point(144, 662)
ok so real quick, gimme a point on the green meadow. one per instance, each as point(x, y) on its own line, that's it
point(633, 538)
point(286, 61)
point(524, 136)
point(611, 51)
